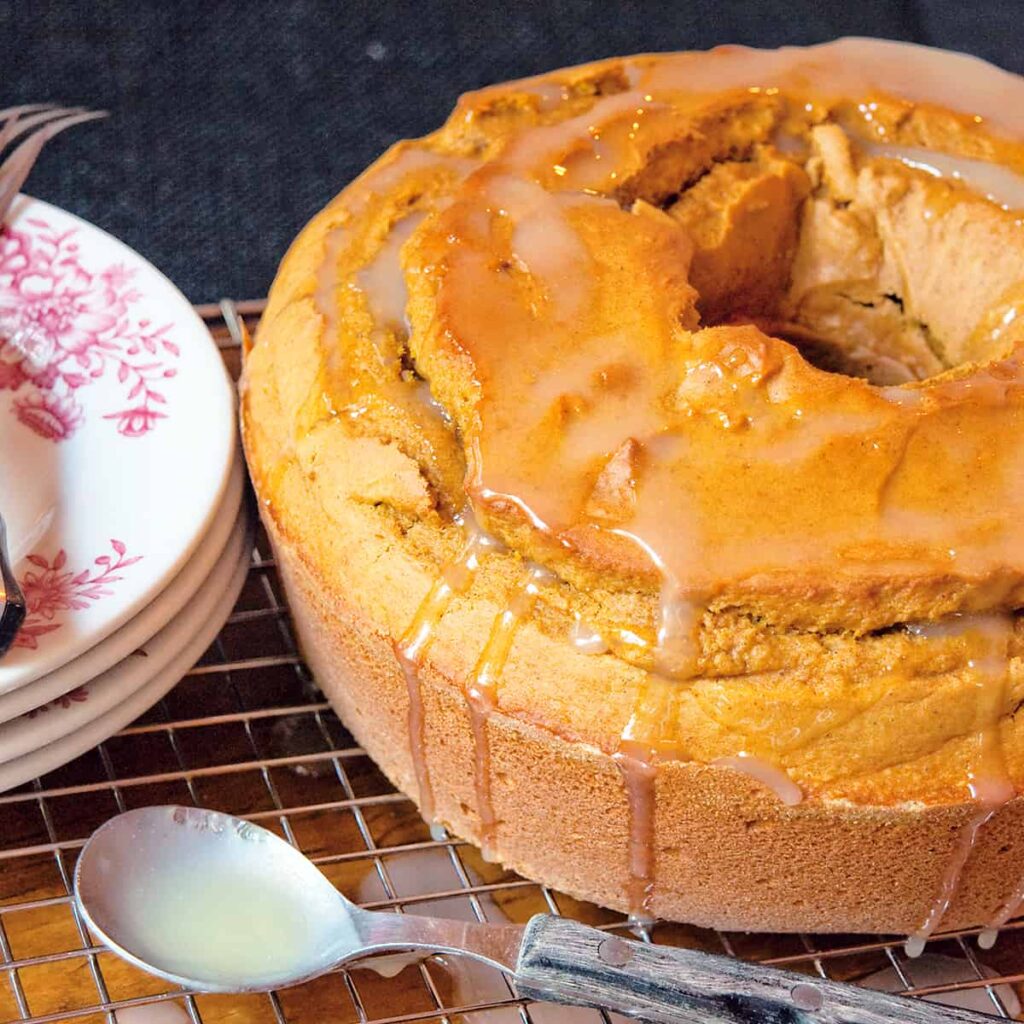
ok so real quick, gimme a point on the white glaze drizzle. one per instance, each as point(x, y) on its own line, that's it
point(585, 639)
point(987, 782)
point(327, 281)
point(410, 650)
point(678, 633)
point(544, 244)
point(853, 67)
point(379, 279)
point(539, 146)
point(987, 936)
point(950, 880)
point(371, 184)
point(482, 692)
point(550, 95)
point(383, 283)
point(787, 791)
point(677, 651)
point(997, 183)
point(638, 777)
point(639, 751)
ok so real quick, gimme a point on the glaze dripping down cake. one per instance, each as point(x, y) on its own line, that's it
point(640, 453)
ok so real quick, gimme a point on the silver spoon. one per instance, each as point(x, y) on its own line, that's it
point(216, 904)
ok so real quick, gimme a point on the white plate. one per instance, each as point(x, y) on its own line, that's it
point(117, 432)
point(134, 633)
point(67, 748)
point(74, 710)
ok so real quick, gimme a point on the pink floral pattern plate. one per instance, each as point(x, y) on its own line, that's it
point(38, 727)
point(116, 432)
point(68, 321)
point(55, 685)
point(50, 739)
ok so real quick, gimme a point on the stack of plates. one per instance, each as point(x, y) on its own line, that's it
point(121, 485)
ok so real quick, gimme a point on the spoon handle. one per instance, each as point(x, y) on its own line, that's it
point(12, 601)
point(566, 962)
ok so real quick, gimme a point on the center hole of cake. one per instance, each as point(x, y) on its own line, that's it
point(853, 252)
point(865, 361)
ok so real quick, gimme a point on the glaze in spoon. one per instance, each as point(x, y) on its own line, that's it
point(217, 904)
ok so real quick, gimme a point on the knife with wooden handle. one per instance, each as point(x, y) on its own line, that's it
point(566, 962)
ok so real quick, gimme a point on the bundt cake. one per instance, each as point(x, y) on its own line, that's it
point(640, 454)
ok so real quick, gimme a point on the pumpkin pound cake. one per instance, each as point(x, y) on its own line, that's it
point(643, 453)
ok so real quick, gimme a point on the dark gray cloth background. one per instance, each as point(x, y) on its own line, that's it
point(234, 122)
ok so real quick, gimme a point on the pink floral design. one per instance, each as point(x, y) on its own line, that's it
point(62, 327)
point(135, 422)
point(49, 589)
point(49, 415)
point(79, 695)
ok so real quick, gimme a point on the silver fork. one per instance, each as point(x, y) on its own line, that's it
point(44, 121)
point(12, 600)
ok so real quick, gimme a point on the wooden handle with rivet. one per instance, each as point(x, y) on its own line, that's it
point(566, 962)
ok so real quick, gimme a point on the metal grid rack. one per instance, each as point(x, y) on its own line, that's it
point(246, 731)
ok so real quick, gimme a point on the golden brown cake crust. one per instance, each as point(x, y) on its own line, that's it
point(805, 666)
point(729, 855)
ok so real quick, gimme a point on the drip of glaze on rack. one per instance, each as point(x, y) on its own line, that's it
point(541, 193)
point(987, 638)
point(411, 649)
point(482, 691)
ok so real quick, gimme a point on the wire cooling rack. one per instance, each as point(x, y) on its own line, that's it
point(247, 731)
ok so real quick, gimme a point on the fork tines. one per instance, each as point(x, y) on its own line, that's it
point(39, 122)
point(35, 124)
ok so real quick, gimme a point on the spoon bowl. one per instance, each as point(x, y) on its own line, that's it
point(210, 901)
point(216, 904)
